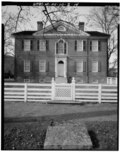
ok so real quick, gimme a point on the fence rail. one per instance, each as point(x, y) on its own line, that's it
point(28, 92)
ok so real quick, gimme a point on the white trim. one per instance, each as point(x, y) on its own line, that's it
point(66, 47)
point(61, 28)
point(57, 59)
point(59, 34)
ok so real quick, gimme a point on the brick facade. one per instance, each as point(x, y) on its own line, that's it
point(49, 56)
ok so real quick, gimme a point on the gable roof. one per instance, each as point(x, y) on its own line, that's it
point(52, 30)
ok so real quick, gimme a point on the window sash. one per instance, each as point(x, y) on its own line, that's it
point(26, 45)
point(26, 66)
point(61, 47)
point(80, 45)
point(42, 66)
point(95, 66)
point(80, 66)
point(42, 45)
point(95, 45)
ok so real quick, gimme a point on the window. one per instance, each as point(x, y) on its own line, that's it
point(42, 45)
point(95, 66)
point(26, 45)
point(80, 45)
point(61, 28)
point(61, 47)
point(95, 46)
point(80, 66)
point(42, 66)
point(26, 66)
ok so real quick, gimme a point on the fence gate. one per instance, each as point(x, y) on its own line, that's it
point(63, 92)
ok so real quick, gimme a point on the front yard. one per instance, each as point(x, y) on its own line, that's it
point(26, 123)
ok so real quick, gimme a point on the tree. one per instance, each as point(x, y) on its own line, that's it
point(106, 19)
point(13, 22)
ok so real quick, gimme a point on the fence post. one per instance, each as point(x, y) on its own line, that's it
point(73, 89)
point(99, 93)
point(25, 92)
point(53, 89)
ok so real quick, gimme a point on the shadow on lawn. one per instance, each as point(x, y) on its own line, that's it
point(94, 139)
point(60, 117)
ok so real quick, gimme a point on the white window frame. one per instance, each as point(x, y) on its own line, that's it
point(42, 45)
point(79, 45)
point(27, 46)
point(43, 62)
point(64, 48)
point(95, 67)
point(26, 67)
point(61, 28)
point(81, 66)
point(94, 45)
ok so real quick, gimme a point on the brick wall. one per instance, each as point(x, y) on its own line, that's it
point(49, 56)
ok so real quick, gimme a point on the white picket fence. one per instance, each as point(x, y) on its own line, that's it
point(28, 92)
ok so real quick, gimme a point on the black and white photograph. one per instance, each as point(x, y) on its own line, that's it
point(60, 75)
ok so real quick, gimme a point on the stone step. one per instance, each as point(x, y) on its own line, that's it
point(68, 136)
point(61, 80)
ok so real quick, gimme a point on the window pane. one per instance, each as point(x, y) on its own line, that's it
point(60, 47)
point(26, 66)
point(94, 66)
point(42, 66)
point(27, 45)
point(42, 45)
point(80, 66)
point(80, 45)
point(95, 46)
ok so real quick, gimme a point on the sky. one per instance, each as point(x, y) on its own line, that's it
point(37, 16)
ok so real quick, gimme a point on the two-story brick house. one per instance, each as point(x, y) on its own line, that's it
point(62, 51)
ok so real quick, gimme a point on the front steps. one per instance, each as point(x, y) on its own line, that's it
point(61, 80)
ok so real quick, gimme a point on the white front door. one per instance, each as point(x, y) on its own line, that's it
point(60, 69)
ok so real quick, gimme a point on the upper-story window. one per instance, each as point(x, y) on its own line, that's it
point(27, 45)
point(61, 28)
point(80, 45)
point(61, 47)
point(95, 46)
point(42, 45)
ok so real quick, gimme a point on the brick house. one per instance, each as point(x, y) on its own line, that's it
point(61, 51)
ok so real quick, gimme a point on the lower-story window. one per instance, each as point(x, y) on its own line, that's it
point(26, 65)
point(80, 66)
point(95, 66)
point(42, 66)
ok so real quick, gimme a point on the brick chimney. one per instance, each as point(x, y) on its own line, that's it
point(39, 25)
point(81, 26)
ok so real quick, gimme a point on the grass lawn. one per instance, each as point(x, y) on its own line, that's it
point(26, 124)
point(31, 135)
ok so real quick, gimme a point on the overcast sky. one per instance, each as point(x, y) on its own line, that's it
point(37, 16)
